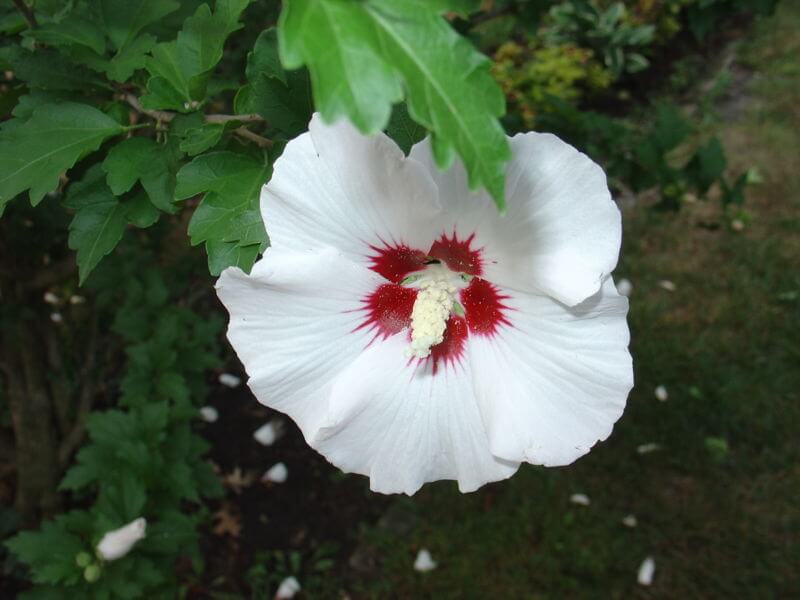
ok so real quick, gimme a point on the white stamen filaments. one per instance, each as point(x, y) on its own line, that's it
point(431, 312)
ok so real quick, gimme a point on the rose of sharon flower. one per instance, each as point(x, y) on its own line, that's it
point(117, 543)
point(415, 334)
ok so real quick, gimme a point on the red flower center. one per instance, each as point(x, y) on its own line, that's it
point(388, 309)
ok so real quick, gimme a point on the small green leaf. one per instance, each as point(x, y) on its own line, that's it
point(124, 19)
point(141, 212)
point(363, 55)
point(50, 70)
point(49, 552)
point(403, 130)
point(200, 139)
point(72, 30)
point(222, 255)
point(142, 159)
point(99, 222)
point(129, 58)
point(34, 154)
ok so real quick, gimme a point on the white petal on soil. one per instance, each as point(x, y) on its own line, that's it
point(667, 285)
point(117, 543)
point(424, 562)
point(51, 298)
point(277, 473)
point(269, 432)
point(287, 589)
point(580, 499)
point(76, 300)
point(647, 448)
point(229, 380)
point(661, 393)
point(394, 421)
point(562, 231)
point(56, 317)
point(295, 326)
point(646, 571)
point(209, 414)
point(630, 521)
point(566, 376)
point(624, 287)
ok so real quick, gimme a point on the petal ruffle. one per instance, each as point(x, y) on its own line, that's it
point(335, 187)
point(556, 381)
point(390, 419)
point(561, 234)
point(294, 323)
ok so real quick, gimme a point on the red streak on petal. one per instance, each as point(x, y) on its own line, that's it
point(458, 254)
point(389, 309)
point(396, 262)
point(449, 351)
point(483, 306)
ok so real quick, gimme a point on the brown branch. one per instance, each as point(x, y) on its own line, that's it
point(251, 118)
point(26, 12)
point(167, 116)
point(245, 133)
point(74, 438)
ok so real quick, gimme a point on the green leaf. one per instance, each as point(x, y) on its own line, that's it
point(141, 212)
point(403, 130)
point(34, 154)
point(49, 552)
point(200, 139)
point(130, 57)
point(227, 219)
point(72, 30)
point(50, 70)
point(124, 19)
point(98, 224)
point(707, 165)
point(179, 70)
point(362, 55)
point(284, 100)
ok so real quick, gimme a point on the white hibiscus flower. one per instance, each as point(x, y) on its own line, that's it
point(412, 332)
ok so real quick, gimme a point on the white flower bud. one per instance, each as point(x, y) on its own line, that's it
point(209, 414)
point(277, 473)
point(76, 300)
point(51, 298)
point(117, 543)
point(646, 571)
point(424, 562)
point(229, 380)
point(287, 589)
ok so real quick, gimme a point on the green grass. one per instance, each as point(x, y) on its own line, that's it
point(726, 345)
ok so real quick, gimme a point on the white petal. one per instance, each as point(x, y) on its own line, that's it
point(74, 300)
point(335, 187)
point(287, 589)
point(56, 317)
point(646, 571)
point(209, 414)
point(667, 285)
point(661, 393)
point(268, 433)
point(391, 419)
point(580, 499)
point(294, 325)
point(630, 521)
point(229, 380)
point(51, 298)
point(562, 231)
point(554, 382)
point(117, 543)
point(625, 287)
point(424, 562)
point(647, 448)
point(277, 473)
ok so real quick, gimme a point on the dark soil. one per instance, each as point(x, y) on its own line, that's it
point(318, 504)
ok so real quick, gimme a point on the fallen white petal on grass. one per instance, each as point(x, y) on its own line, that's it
point(646, 571)
point(424, 562)
point(268, 433)
point(51, 298)
point(630, 521)
point(77, 300)
point(209, 414)
point(661, 393)
point(580, 499)
point(647, 448)
point(287, 589)
point(117, 543)
point(277, 473)
point(56, 317)
point(667, 285)
point(229, 380)
point(624, 287)
point(737, 225)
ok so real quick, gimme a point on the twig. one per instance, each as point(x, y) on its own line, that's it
point(167, 116)
point(245, 133)
point(26, 12)
point(252, 118)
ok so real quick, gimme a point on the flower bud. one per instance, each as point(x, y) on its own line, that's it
point(91, 573)
point(117, 543)
point(83, 559)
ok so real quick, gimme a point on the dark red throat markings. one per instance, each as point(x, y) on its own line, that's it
point(388, 309)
